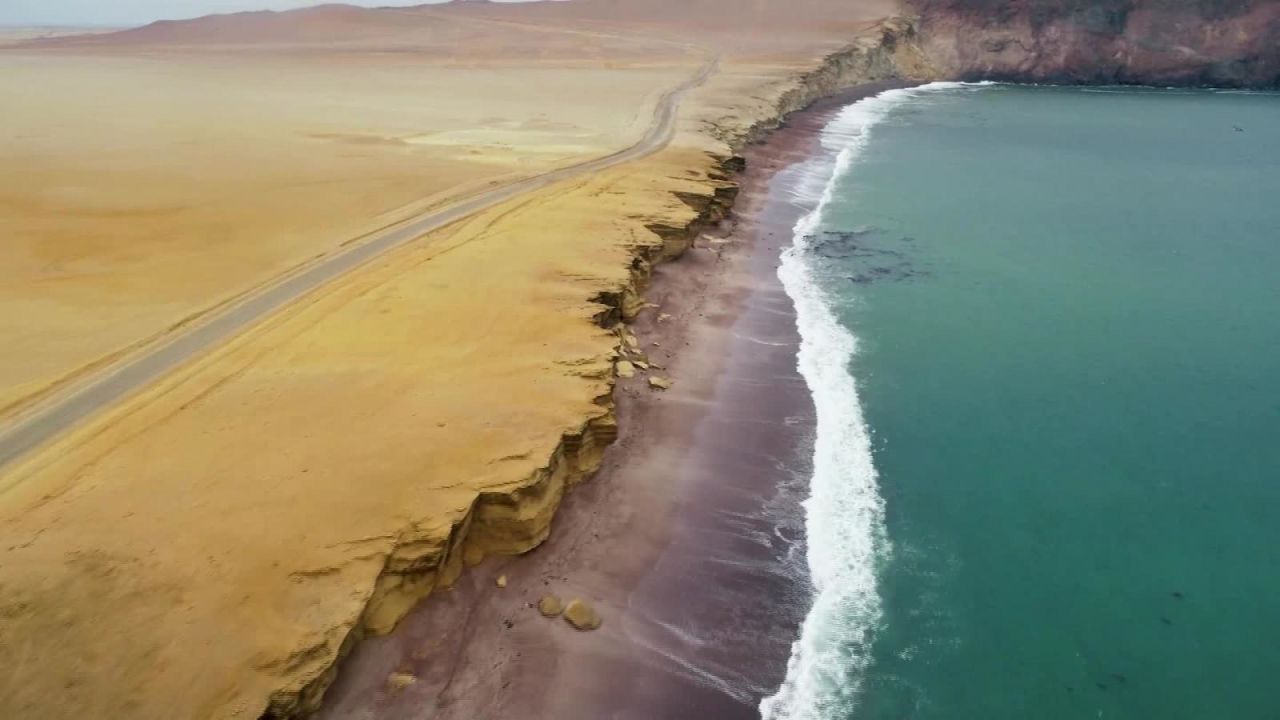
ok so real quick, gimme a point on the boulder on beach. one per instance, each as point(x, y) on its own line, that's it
point(626, 369)
point(550, 606)
point(581, 615)
point(501, 581)
point(659, 383)
point(398, 681)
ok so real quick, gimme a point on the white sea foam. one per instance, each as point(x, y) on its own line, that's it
point(844, 515)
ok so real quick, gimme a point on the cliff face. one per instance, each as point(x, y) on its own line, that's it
point(888, 50)
point(1224, 43)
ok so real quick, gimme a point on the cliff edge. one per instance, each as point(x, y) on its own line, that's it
point(1221, 43)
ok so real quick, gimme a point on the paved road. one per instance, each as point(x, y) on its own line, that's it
point(46, 422)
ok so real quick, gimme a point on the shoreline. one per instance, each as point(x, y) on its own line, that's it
point(656, 539)
point(678, 526)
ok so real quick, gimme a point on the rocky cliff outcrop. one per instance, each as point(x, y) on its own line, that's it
point(1224, 43)
point(888, 51)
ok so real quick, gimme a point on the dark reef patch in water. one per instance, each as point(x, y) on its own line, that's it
point(870, 253)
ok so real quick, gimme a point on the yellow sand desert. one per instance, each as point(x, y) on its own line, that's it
point(139, 189)
point(211, 545)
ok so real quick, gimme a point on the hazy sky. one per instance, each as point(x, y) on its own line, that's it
point(138, 12)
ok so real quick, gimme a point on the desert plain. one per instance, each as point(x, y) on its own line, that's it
point(211, 545)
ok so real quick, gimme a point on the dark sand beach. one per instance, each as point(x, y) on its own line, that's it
point(689, 539)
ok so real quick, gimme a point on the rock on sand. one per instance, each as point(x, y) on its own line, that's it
point(581, 615)
point(399, 681)
point(550, 606)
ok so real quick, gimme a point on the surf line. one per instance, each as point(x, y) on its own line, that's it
point(844, 513)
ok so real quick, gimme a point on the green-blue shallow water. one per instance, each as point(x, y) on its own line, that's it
point(1067, 312)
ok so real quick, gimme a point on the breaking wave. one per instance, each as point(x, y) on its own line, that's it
point(844, 514)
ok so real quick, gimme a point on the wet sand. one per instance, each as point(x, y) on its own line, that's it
point(689, 541)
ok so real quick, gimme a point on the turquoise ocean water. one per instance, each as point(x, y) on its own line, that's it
point(1042, 330)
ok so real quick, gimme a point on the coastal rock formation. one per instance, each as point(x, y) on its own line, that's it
point(888, 51)
point(1223, 43)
